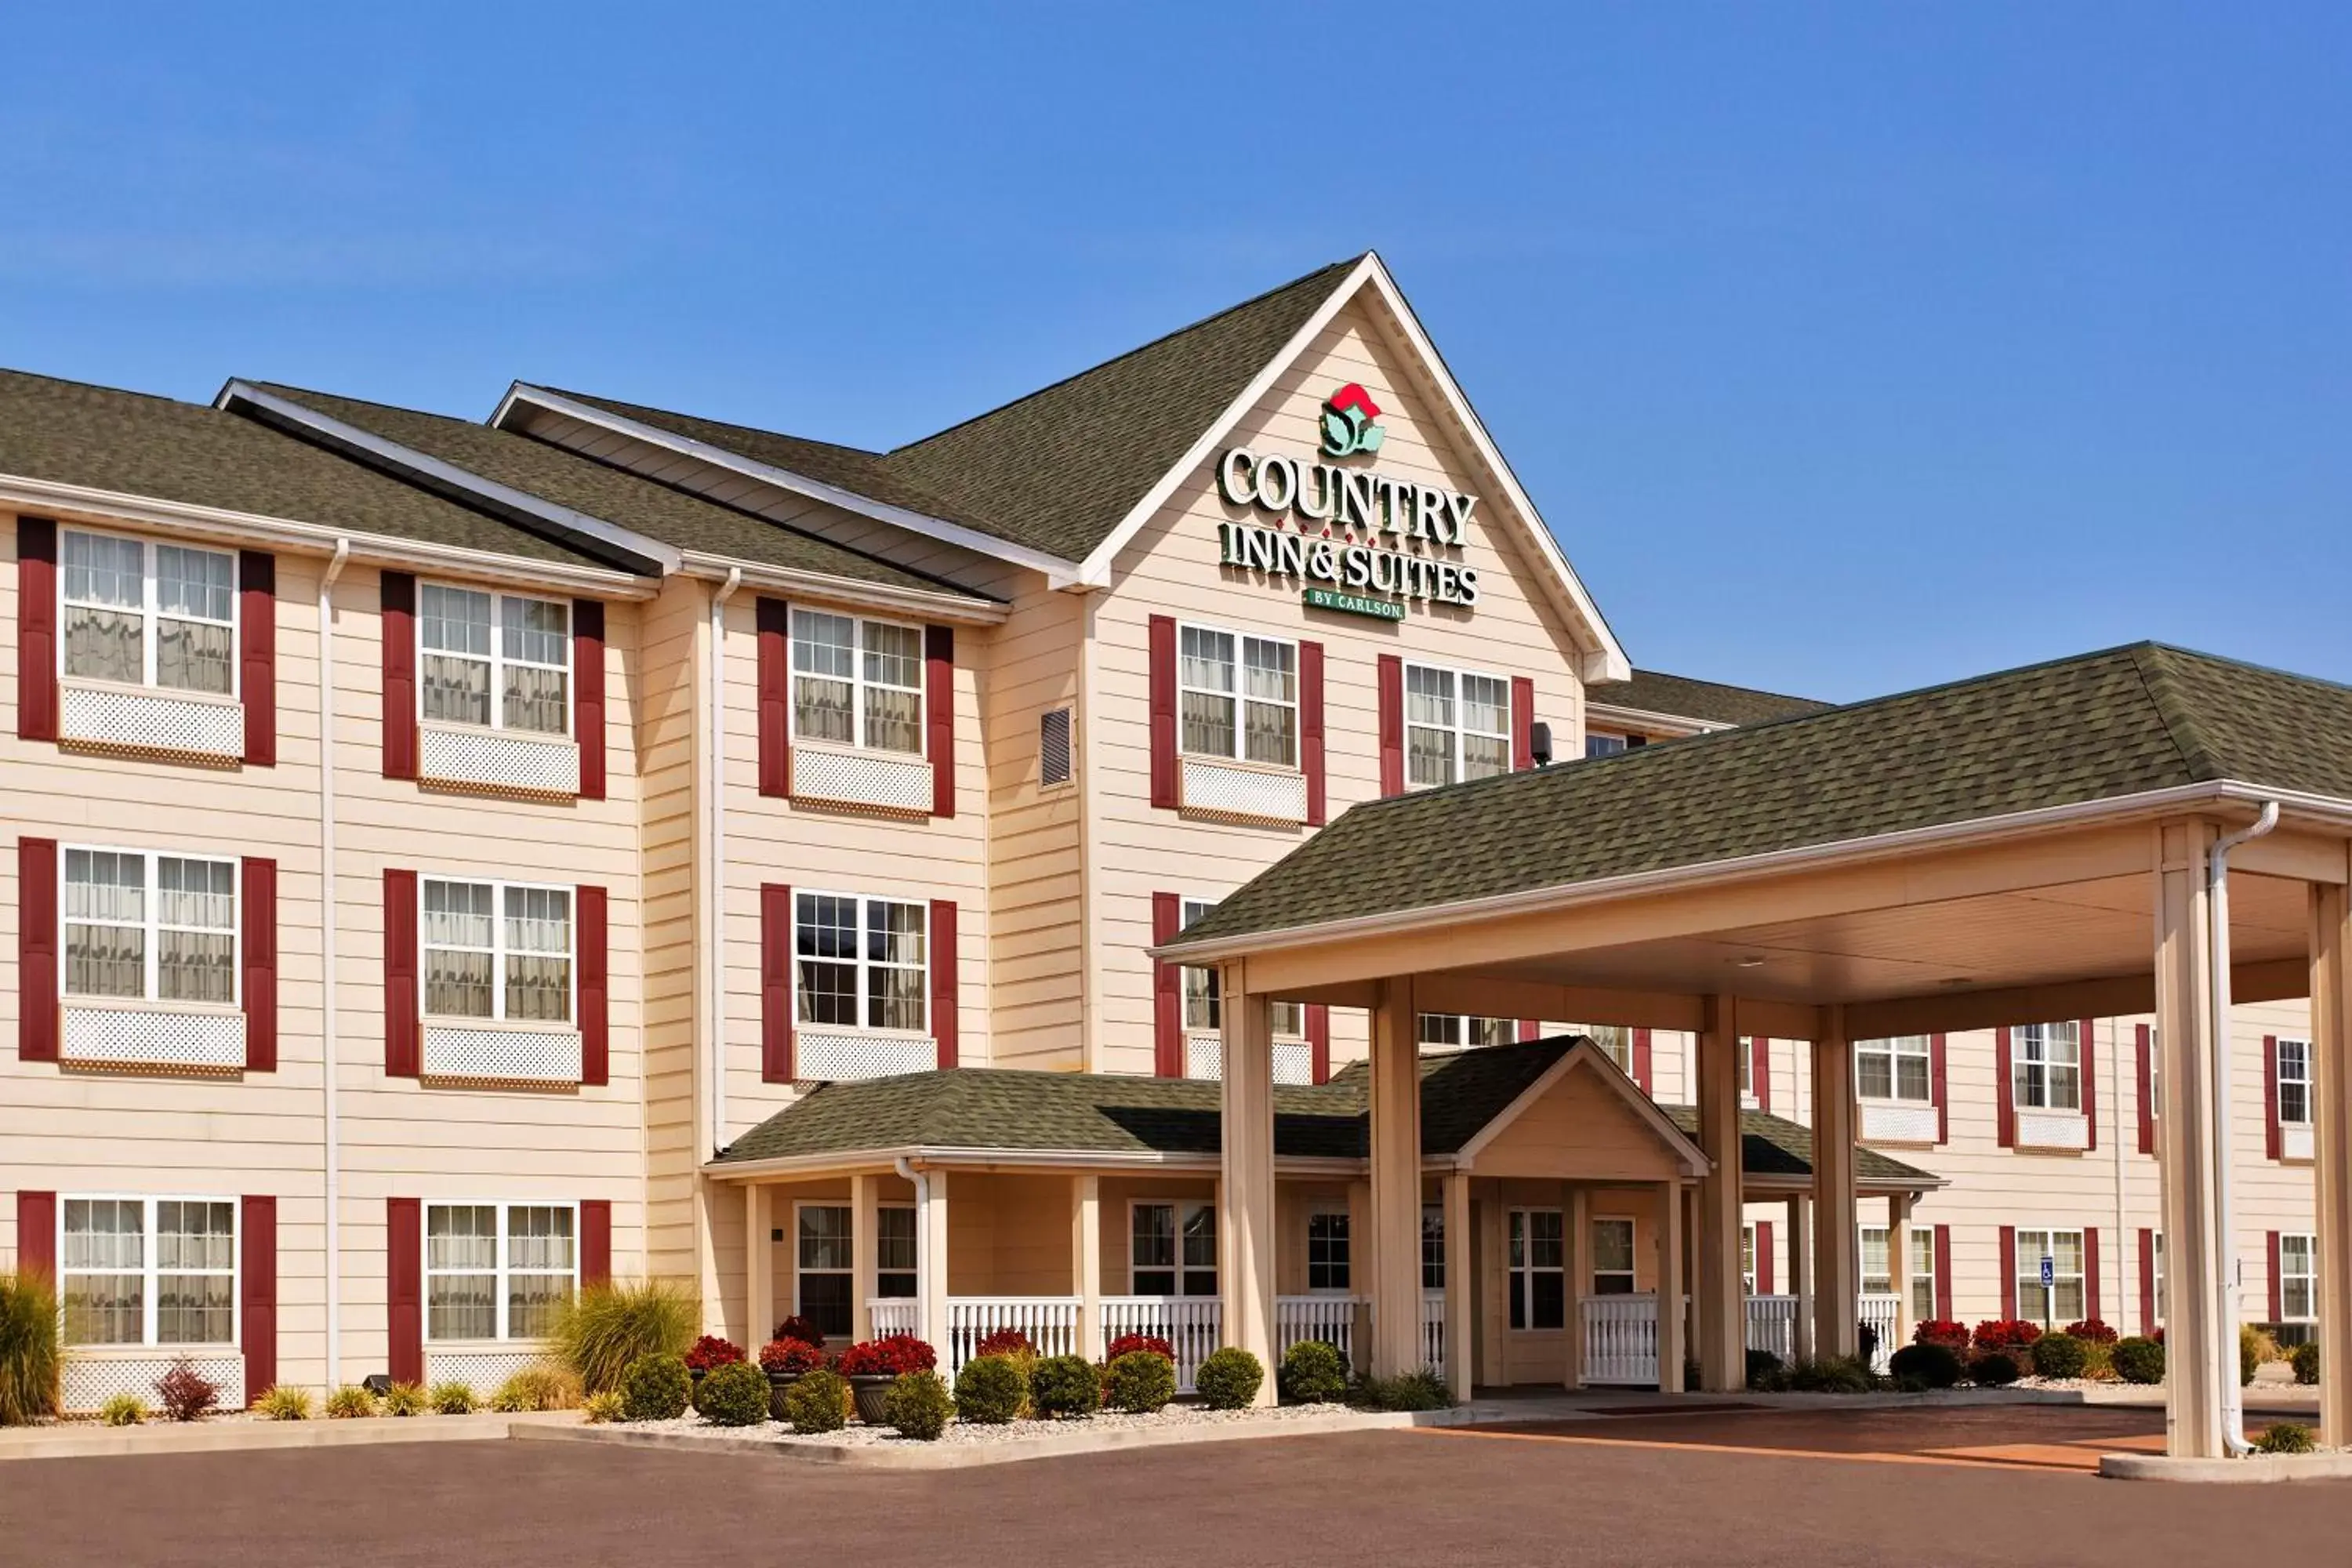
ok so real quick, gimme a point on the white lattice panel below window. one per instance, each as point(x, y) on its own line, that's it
point(498, 760)
point(837, 1056)
point(1294, 1062)
point(152, 721)
point(2294, 1140)
point(2053, 1130)
point(92, 1377)
point(98, 1036)
point(1204, 1057)
point(862, 778)
point(1231, 791)
point(505, 1056)
point(480, 1370)
point(1898, 1123)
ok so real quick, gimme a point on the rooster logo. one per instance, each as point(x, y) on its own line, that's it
point(1347, 426)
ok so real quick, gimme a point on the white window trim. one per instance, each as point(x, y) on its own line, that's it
point(2308, 1275)
point(153, 926)
point(2059, 1277)
point(2019, 1063)
point(1459, 1040)
point(1457, 732)
point(879, 1209)
point(1518, 1278)
point(1888, 1047)
point(1747, 1258)
point(426, 1271)
point(1241, 698)
point(858, 683)
point(1181, 1206)
point(1632, 1272)
point(498, 661)
point(1191, 907)
point(150, 614)
point(864, 964)
point(1886, 1234)
point(499, 952)
point(1329, 1210)
point(150, 1303)
point(1923, 1269)
point(1744, 1067)
point(2306, 1079)
point(793, 1240)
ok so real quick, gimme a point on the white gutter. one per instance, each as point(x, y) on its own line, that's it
point(1673, 726)
point(915, 1173)
point(715, 893)
point(332, 1155)
point(2217, 873)
point(940, 606)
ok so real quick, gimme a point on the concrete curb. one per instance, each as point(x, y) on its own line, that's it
point(2261, 1469)
point(81, 1441)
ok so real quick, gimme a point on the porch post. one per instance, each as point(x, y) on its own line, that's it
point(1800, 1215)
point(865, 1252)
point(758, 1265)
point(1670, 1288)
point(1458, 1370)
point(1493, 1288)
point(1576, 1278)
point(2202, 1348)
point(1837, 1269)
point(1086, 1264)
point(931, 1260)
point(1245, 1187)
point(1396, 1180)
point(1363, 1267)
point(1898, 1266)
point(2331, 1043)
point(1722, 1311)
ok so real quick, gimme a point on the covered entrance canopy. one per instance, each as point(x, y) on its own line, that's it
point(2033, 845)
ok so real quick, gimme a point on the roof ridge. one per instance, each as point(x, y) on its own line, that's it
point(2152, 662)
point(164, 397)
point(1721, 685)
point(615, 404)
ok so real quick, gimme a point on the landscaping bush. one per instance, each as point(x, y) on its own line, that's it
point(733, 1393)
point(407, 1399)
point(1005, 1341)
point(2305, 1357)
point(919, 1405)
point(1865, 1339)
point(802, 1329)
point(285, 1402)
point(1229, 1378)
point(601, 1408)
point(654, 1388)
point(1139, 1383)
point(1829, 1374)
point(2006, 1334)
point(2092, 1331)
point(789, 1356)
point(1311, 1374)
point(122, 1410)
point(1764, 1371)
point(1954, 1336)
point(542, 1386)
point(452, 1397)
point(817, 1402)
point(1128, 1343)
point(990, 1390)
point(710, 1351)
point(894, 1354)
point(350, 1401)
point(1065, 1385)
point(1926, 1363)
point(2285, 1438)
point(609, 1326)
point(32, 1359)
point(1421, 1389)
point(2139, 1360)
point(2060, 1355)
point(1992, 1368)
point(185, 1393)
point(2254, 1347)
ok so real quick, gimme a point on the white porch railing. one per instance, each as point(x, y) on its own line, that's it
point(1772, 1325)
point(1432, 1330)
point(1051, 1322)
point(1331, 1319)
point(1193, 1326)
point(1880, 1312)
point(893, 1315)
point(1620, 1339)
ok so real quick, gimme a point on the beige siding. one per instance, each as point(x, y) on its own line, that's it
point(1035, 837)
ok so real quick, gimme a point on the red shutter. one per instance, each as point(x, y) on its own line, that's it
point(2008, 1267)
point(1523, 723)
point(36, 950)
point(1944, 1272)
point(37, 1233)
point(37, 629)
point(1529, 1029)
point(945, 978)
point(1167, 990)
point(595, 988)
point(2004, 1104)
point(403, 1277)
point(775, 981)
point(1642, 1063)
point(2274, 1142)
point(1760, 1071)
point(2148, 1324)
point(2090, 1076)
point(400, 998)
point(1310, 729)
point(257, 654)
point(1318, 1039)
point(2278, 1296)
point(1164, 792)
point(774, 618)
point(1764, 1257)
point(595, 1241)
point(938, 715)
point(257, 1293)
point(2147, 1091)
point(1391, 702)
point(260, 919)
point(399, 629)
point(1943, 1099)
point(2090, 1271)
point(588, 693)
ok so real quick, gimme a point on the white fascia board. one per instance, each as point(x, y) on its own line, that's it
point(99, 506)
point(1054, 1159)
point(935, 606)
point(1650, 722)
point(662, 558)
point(1582, 1055)
point(1059, 573)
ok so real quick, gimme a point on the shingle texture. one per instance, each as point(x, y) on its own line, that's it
point(2098, 727)
point(1680, 697)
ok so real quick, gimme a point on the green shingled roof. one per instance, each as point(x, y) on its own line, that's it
point(1680, 697)
point(2098, 727)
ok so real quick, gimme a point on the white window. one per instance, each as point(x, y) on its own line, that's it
point(141, 926)
point(1746, 1065)
point(148, 1271)
point(1615, 1039)
point(143, 614)
point(2295, 1083)
point(499, 1271)
point(1613, 1257)
point(1877, 1273)
point(2061, 1303)
point(1237, 695)
point(1603, 745)
point(2046, 1066)
point(863, 961)
point(1458, 725)
point(1747, 1258)
point(2298, 1277)
point(2158, 1238)
point(1327, 1250)
point(1432, 1246)
point(825, 1266)
point(496, 950)
point(857, 682)
point(1923, 1273)
point(1172, 1249)
point(498, 661)
point(1894, 1070)
point(1538, 1269)
point(894, 1252)
point(1462, 1031)
point(1203, 1014)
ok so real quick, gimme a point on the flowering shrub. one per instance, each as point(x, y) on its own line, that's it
point(799, 1328)
point(2006, 1334)
point(710, 1351)
point(1952, 1336)
point(1128, 1343)
point(2092, 1331)
point(186, 1393)
point(1005, 1341)
point(789, 1356)
point(892, 1356)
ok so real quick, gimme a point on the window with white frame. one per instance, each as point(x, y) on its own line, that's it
point(1877, 1273)
point(1747, 1258)
point(1432, 1246)
point(894, 1252)
point(495, 950)
point(1172, 1249)
point(1237, 695)
point(1203, 1013)
point(499, 1271)
point(2295, 1083)
point(2061, 1301)
point(2046, 1066)
point(1896, 1068)
point(824, 1268)
point(151, 927)
point(1613, 1257)
point(1327, 1250)
point(1615, 1039)
point(1603, 745)
point(148, 1271)
point(863, 962)
point(1463, 1031)
point(145, 614)
point(1923, 1273)
point(497, 661)
point(1538, 1269)
point(857, 682)
point(1458, 725)
point(2156, 1244)
point(2298, 1277)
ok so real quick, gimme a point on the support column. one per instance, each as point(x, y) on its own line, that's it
point(1837, 1266)
point(866, 1252)
point(1458, 1370)
point(2331, 1044)
point(759, 1265)
point(1722, 1311)
point(1362, 1270)
point(1576, 1278)
point(931, 1260)
point(1086, 1263)
point(1494, 1289)
point(1808, 1329)
point(1396, 1180)
point(2200, 1348)
point(1898, 1266)
point(1670, 1288)
point(1245, 1187)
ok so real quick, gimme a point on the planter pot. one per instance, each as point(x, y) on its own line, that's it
point(779, 1384)
point(871, 1389)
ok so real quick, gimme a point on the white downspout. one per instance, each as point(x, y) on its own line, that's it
point(331, 1154)
point(2233, 1404)
point(922, 1247)
point(715, 895)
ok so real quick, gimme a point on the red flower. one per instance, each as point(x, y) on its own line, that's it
point(1005, 1341)
point(1354, 396)
point(1941, 1331)
point(2006, 1334)
point(891, 1356)
point(789, 1356)
point(710, 1351)
point(2093, 1329)
point(799, 1328)
point(1126, 1343)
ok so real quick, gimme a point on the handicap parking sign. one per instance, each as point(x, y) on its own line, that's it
point(2049, 1270)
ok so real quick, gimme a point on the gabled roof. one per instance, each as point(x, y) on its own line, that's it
point(1707, 701)
point(2100, 727)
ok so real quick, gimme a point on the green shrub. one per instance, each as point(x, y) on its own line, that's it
point(1229, 1378)
point(919, 1405)
point(32, 1361)
point(610, 1326)
point(990, 1390)
point(285, 1402)
point(2285, 1438)
point(2060, 1355)
point(1925, 1365)
point(1311, 1374)
point(2139, 1360)
point(122, 1410)
point(350, 1401)
point(1065, 1385)
point(654, 1388)
point(1764, 1371)
point(407, 1399)
point(541, 1386)
point(2305, 1357)
point(1830, 1375)
point(2254, 1347)
point(1421, 1389)
point(819, 1402)
point(452, 1397)
point(601, 1408)
point(1993, 1369)
point(1139, 1383)
point(734, 1394)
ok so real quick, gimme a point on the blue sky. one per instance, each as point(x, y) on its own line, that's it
point(1844, 348)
